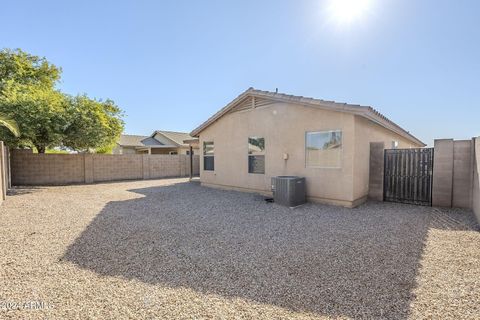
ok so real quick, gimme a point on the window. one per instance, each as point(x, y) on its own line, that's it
point(323, 149)
point(256, 155)
point(208, 156)
point(188, 152)
point(394, 144)
point(173, 153)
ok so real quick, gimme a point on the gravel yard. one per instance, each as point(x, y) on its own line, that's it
point(170, 249)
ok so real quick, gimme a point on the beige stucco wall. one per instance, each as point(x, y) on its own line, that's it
point(184, 150)
point(377, 168)
point(133, 150)
point(162, 150)
point(366, 132)
point(476, 180)
point(180, 150)
point(283, 126)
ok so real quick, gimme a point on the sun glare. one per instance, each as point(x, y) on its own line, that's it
point(348, 11)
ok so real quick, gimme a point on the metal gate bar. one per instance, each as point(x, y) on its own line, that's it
point(408, 176)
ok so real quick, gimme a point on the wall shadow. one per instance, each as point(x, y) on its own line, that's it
point(21, 190)
point(359, 263)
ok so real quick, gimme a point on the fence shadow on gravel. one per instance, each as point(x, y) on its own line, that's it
point(318, 259)
point(18, 191)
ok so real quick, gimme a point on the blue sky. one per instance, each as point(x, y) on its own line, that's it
point(171, 64)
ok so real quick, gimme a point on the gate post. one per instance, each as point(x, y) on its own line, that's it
point(376, 174)
point(443, 173)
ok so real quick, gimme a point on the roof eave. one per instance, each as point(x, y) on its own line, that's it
point(128, 145)
point(157, 147)
point(365, 111)
point(219, 113)
point(373, 115)
point(159, 132)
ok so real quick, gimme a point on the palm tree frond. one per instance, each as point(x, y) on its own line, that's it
point(10, 124)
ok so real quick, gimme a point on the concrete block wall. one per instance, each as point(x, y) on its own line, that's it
point(46, 169)
point(476, 179)
point(117, 167)
point(60, 169)
point(443, 173)
point(3, 172)
point(161, 166)
point(462, 174)
point(453, 173)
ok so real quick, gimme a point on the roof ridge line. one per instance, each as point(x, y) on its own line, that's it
point(366, 111)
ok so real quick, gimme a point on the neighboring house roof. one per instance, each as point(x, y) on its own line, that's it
point(177, 137)
point(265, 97)
point(127, 140)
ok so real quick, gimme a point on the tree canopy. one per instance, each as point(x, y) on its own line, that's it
point(47, 117)
point(39, 112)
point(22, 68)
point(92, 124)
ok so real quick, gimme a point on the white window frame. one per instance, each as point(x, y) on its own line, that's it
point(323, 167)
point(209, 155)
point(262, 153)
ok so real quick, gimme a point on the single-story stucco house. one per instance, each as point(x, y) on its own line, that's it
point(261, 134)
point(159, 142)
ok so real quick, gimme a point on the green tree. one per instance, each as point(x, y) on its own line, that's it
point(39, 112)
point(21, 68)
point(46, 117)
point(28, 96)
point(92, 125)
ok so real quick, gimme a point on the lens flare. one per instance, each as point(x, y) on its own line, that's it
point(348, 11)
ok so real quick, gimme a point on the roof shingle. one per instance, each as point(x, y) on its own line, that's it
point(364, 111)
point(177, 137)
point(138, 141)
point(149, 141)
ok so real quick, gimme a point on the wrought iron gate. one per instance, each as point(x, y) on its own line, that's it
point(408, 176)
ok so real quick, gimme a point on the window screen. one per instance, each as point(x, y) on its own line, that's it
point(208, 156)
point(323, 149)
point(256, 155)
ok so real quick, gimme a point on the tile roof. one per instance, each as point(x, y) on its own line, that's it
point(364, 111)
point(138, 141)
point(177, 137)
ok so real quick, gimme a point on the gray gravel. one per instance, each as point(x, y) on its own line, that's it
point(175, 250)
